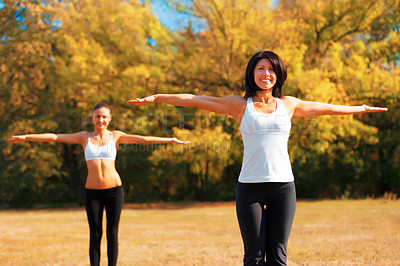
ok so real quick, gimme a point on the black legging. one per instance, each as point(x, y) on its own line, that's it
point(265, 213)
point(112, 200)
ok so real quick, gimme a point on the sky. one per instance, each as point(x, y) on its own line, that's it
point(175, 20)
point(171, 18)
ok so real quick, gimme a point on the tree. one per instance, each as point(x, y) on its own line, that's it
point(53, 75)
point(58, 59)
point(201, 163)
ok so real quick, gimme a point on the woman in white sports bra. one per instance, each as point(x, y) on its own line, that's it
point(103, 183)
point(265, 195)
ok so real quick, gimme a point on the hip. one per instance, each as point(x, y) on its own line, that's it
point(98, 194)
point(266, 191)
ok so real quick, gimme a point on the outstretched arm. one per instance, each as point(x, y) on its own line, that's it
point(231, 105)
point(306, 108)
point(76, 138)
point(137, 139)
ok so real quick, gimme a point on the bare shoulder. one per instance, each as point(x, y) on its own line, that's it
point(74, 138)
point(236, 100)
point(80, 134)
point(238, 106)
point(84, 135)
point(290, 103)
point(289, 99)
point(117, 134)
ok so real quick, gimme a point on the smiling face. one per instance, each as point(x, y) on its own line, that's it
point(101, 117)
point(264, 75)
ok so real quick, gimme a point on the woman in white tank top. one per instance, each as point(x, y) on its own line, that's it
point(265, 197)
point(103, 183)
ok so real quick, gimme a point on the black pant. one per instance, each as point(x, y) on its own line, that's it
point(265, 213)
point(96, 200)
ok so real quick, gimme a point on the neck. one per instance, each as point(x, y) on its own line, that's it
point(265, 96)
point(100, 132)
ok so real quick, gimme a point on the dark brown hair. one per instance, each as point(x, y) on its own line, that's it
point(100, 105)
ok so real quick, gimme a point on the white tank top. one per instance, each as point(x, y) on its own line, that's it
point(108, 151)
point(265, 138)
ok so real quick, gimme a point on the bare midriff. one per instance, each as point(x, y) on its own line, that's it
point(102, 174)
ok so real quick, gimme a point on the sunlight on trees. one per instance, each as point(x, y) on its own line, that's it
point(59, 58)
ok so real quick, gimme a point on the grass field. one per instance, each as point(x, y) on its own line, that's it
point(342, 232)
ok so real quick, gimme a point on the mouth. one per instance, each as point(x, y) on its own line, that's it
point(266, 80)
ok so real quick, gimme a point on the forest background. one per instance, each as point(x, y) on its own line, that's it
point(59, 58)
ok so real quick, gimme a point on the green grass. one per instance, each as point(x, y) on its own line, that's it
point(343, 232)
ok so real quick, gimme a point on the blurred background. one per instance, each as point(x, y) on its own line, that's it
point(59, 58)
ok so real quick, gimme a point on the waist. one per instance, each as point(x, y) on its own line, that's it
point(102, 175)
point(104, 190)
point(262, 164)
point(249, 178)
point(103, 193)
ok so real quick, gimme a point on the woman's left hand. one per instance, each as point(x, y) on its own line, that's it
point(143, 101)
point(369, 109)
point(17, 139)
point(177, 141)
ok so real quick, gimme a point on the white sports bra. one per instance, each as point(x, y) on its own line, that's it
point(93, 152)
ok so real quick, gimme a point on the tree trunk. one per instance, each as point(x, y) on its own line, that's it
point(69, 154)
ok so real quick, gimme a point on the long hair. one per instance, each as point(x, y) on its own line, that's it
point(280, 70)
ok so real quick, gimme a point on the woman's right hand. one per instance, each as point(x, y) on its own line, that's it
point(17, 139)
point(144, 101)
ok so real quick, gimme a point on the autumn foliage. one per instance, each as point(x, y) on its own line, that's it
point(59, 58)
